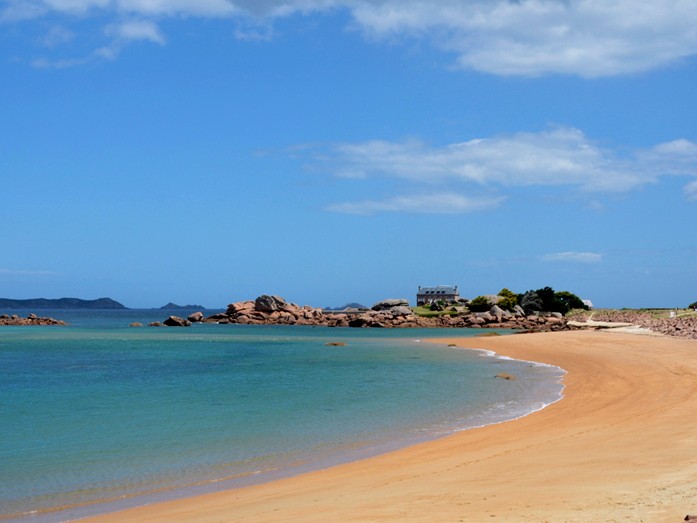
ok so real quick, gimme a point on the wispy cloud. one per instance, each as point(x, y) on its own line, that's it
point(431, 204)
point(588, 38)
point(691, 191)
point(562, 156)
point(559, 158)
point(13, 272)
point(120, 35)
point(124, 33)
point(573, 257)
point(134, 30)
point(56, 35)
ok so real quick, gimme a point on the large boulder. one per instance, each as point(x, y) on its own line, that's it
point(486, 316)
point(385, 305)
point(401, 311)
point(195, 317)
point(176, 321)
point(266, 303)
point(500, 313)
point(239, 307)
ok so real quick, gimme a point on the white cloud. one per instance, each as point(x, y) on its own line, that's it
point(134, 30)
point(202, 8)
point(589, 38)
point(432, 204)
point(559, 158)
point(75, 6)
point(573, 257)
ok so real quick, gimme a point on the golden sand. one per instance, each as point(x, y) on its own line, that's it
point(620, 446)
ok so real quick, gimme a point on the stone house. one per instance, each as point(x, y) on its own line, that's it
point(426, 295)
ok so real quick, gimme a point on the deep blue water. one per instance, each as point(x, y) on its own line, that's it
point(100, 411)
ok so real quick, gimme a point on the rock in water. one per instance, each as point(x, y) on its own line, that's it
point(195, 317)
point(176, 321)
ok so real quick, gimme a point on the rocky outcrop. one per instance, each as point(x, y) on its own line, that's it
point(679, 326)
point(386, 305)
point(274, 310)
point(31, 319)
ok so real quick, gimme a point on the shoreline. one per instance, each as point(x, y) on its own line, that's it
point(620, 445)
point(543, 390)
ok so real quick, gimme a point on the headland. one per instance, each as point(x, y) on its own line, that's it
point(60, 303)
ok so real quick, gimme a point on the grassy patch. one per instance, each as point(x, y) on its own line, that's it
point(428, 313)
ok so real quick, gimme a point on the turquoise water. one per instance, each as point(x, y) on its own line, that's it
point(100, 412)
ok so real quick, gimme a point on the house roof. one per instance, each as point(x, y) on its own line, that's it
point(439, 289)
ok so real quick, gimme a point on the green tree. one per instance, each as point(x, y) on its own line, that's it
point(509, 299)
point(549, 302)
point(570, 301)
point(562, 301)
point(531, 302)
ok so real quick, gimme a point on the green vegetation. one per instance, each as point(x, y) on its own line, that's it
point(425, 311)
point(509, 299)
point(692, 305)
point(544, 299)
point(479, 304)
point(530, 302)
point(547, 299)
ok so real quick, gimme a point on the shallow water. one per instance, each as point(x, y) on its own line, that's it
point(100, 411)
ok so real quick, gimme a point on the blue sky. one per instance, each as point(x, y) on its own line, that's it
point(209, 151)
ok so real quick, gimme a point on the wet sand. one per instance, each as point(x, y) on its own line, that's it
point(620, 446)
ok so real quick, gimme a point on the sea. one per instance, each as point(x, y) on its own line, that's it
point(99, 416)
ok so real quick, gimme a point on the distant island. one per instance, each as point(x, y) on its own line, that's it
point(352, 305)
point(60, 303)
point(171, 305)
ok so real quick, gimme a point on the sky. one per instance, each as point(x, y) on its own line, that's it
point(335, 151)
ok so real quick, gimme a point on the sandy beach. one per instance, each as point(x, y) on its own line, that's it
point(620, 446)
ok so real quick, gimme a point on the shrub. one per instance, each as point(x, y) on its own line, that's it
point(479, 304)
point(509, 299)
point(692, 305)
